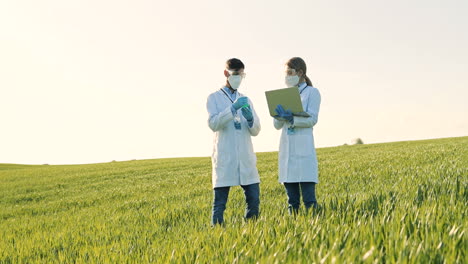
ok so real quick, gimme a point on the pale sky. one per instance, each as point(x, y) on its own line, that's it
point(95, 81)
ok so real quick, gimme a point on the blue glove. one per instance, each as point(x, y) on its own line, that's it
point(284, 114)
point(240, 102)
point(247, 113)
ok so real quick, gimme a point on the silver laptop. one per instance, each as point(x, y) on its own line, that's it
point(289, 98)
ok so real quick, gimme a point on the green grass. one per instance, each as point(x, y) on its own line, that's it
point(399, 202)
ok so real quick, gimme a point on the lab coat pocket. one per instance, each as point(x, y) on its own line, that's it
point(303, 145)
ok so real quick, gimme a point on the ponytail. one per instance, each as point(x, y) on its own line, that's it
point(308, 81)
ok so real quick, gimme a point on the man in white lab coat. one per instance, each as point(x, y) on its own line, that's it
point(233, 121)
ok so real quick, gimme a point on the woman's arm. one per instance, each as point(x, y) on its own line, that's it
point(313, 108)
point(278, 123)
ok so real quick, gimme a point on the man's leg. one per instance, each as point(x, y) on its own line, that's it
point(219, 204)
point(252, 198)
point(294, 196)
point(308, 194)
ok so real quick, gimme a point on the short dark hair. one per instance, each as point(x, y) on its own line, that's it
point(234, 64)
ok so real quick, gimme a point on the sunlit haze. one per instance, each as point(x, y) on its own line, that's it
point(96, 81)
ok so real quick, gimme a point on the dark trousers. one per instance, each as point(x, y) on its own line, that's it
point(252, 198)
point(293, 190)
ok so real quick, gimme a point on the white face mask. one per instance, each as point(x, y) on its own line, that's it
point(291, 80)
point(235, 81)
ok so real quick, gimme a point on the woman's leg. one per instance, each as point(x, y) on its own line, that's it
point(308, 194)
point(219, 204)
point(294, 196)
point(252, 198)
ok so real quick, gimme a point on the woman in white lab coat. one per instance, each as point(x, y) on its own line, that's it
point(298, 166)
point(233, 120)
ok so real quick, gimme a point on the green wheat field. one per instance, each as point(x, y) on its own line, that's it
point(402, 202)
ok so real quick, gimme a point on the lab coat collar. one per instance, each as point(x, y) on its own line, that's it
point(228, 90)
point(302, 86)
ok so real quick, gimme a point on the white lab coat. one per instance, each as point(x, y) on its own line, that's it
point(297, 159)
point(233, 159)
